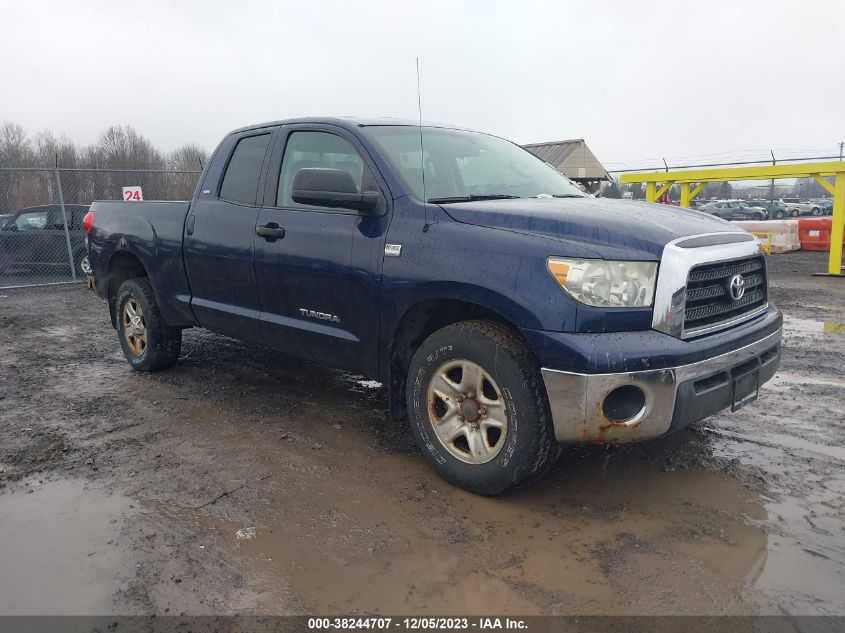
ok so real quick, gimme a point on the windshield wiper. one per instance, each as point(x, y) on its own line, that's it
point(491, 196)
point(568, 195)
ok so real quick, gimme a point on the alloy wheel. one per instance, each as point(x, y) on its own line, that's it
point(467, 411)
point(134, 327)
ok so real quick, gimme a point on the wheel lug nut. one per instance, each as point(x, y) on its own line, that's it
point(461, 418)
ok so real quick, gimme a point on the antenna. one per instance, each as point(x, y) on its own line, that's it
point(422, 151)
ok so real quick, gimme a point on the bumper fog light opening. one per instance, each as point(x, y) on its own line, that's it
point(624, 405)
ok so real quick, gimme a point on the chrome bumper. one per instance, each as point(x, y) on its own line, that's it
point(576, 399)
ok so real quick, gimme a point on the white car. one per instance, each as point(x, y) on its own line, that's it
point(797, 206)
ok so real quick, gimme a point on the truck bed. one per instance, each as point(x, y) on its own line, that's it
point(153, 230)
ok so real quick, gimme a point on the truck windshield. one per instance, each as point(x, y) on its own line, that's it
point(461, 165)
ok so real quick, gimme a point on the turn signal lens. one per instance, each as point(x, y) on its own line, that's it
point(559, 270)
point(596, 282)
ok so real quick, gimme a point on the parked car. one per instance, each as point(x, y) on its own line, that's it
point(825, 204)
point(34, 239)
point(799, 206)
point(5, 217)
point(505, 310)
point(775, 209)
point(734, 210)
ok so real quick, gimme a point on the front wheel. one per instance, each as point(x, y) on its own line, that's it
point(148, 343)
point(816, 211)
point(478, 408)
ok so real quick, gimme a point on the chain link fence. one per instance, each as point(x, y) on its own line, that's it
point(41, 211)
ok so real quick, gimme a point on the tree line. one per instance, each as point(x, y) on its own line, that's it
point(118, 147)
point(91, 169)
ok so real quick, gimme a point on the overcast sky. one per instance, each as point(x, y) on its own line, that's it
point(637, 80)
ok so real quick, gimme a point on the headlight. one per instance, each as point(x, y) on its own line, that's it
point(596, 282)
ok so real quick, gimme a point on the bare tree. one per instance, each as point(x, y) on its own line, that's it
point(15, 148)
point(51, 151)
point(120, 157)
point(122, 147)
point(189, 157)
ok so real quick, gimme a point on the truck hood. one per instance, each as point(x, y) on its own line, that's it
point(613, 229)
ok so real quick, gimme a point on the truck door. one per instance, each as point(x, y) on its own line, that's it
point(319, 269)
point(220, 237)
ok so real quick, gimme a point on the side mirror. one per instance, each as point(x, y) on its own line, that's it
point(333, 188)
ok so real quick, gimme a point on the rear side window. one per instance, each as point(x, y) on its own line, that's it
point(240, 182)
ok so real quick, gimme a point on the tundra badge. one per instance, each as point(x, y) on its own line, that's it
point(392, 250)
point(323, 316)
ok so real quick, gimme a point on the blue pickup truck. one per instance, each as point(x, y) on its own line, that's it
point(506, 311)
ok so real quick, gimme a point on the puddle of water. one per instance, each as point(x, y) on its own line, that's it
point(785, 441)
point(811, 553)
point(797, 328)
point(580, 543)
point(55, 550)
point(351, 528)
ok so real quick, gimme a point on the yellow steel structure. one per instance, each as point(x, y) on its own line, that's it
point(692, 181)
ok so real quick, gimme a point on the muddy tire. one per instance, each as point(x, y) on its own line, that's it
point(148, 343)
point(478, 409)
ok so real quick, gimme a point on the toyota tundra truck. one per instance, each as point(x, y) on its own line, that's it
point(507, 312)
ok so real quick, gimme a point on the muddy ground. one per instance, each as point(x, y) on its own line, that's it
point(129, 493)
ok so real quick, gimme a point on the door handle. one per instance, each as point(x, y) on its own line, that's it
point(270, 231)
point(189, 225)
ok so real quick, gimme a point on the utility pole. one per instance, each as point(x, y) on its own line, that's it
point(772, 190)
point(841, 144)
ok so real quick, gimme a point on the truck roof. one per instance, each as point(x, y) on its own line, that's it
point(351, 122)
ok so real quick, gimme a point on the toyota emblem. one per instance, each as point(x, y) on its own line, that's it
point(737, 287)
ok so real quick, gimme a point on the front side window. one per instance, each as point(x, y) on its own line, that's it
point(460, 165)
point(240, 182)
point(33, 220)
point(316, 149)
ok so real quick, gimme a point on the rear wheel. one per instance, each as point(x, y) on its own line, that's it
point(816, 211)
point(82, 263)
point(478, 409)
point(148, 343)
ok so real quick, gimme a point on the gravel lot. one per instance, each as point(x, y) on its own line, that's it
point(247, 481)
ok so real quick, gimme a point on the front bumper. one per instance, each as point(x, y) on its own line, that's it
point(673, 396)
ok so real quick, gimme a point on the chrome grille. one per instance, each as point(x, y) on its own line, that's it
point(709, 302)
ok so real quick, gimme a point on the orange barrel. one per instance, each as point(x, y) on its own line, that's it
point(814, 233)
